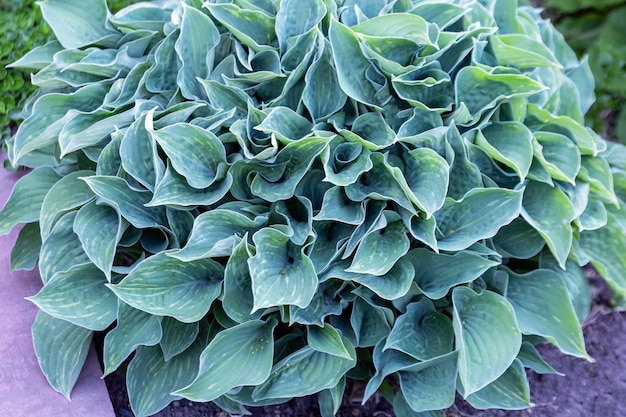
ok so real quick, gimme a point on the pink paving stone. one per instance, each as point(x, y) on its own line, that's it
point(24, 391)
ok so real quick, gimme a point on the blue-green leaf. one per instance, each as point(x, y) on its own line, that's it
point(163, 285)
point(27, 197)
point(134, 328)
point(281, 273)
point(478, 215)
point(79, 296)
point(61, 348)
point(240, 355)
point(486, 331)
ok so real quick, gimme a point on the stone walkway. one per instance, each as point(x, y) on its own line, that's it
point(24, 391)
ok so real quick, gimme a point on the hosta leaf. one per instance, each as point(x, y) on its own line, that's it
point(509, 143)
point(39, 57)
point(61, 250)
point(309, 15)
point(351, 65)
point(281, 273)
point(531, 358)
point(430, 385)
point(330, 400)
point(380, 183)
point(25, 253)
point(305, 372)
point(227, 98)
point(392, 285)
point(89, 129)
point(253, 28)
point(61, 348)
point(421, 332)
point(139, 154)
point(607, 249)
point(548, 312)
point(177, 336)
point(134, 328)
point(297, 213)
point(99, 228)
point(386, 363)
point(286, 124)
point(597, 172)
point(465, 176)
point(486, 331)
point(129, 203)
point(559, 155)
point(509, 392)
point(298, 157)
point(151, 380)
point(79, 296)
point(163, 285)
point(77, 24)
point(66, 194)
point(24, 203)
point(521, 51)
point(194, 152)
point(380, 250)
point(238, 301)
point(162, 76)
point(241, 355)
point(518, 240)
point(174, 191)
point(478, 215)
point(442, 14)
point(344, 162)
point(215, 232)
point(426, 174)
point(198, 37)
point(370, 323)
point(337, 207)
point(550, 212)
point(576, 282)
point(109, 161)
point(323, 304)
point(322, 94)
point(402, 409)
point(327, 340)
point(594, 216)
point(480, 90)
point(396, 25)
point(542, 119)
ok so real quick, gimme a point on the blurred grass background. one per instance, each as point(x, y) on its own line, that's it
point(592, 27)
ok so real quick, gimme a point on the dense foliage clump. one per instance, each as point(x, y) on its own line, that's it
point(264, 199)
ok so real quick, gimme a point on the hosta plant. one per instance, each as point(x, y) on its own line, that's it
point(262, 199)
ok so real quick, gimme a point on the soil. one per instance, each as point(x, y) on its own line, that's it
point(587, 389)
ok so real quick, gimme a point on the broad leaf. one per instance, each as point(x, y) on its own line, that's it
point(241, 355)
point(280, 271)
point(479, 215)
point(163, 285)
point(25, 253)
point(550, 212)
point(24, 203)
point(421, 332)
point(320, 371)
point(99, 229)
point(486, 331)
point(79, 296)
point(61, 348)
point(548, 312)
point(436, 274)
